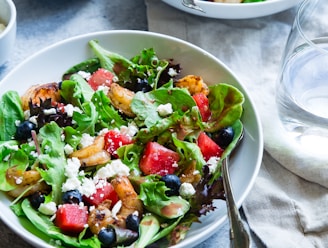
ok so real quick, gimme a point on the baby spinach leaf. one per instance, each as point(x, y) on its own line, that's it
point(6, 149)
point(10, 112)
point(89, 65)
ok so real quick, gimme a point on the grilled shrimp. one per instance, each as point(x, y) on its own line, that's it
point(121, 98)
point(130, 201)
point(93, 154)
point(194, 84)
point(28, 181)
point(36, 93)
point(100, 217)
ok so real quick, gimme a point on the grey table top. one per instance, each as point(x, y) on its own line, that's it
point(42, 23)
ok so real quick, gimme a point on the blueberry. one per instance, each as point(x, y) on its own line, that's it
point(223, 137)
point(72, 196)
point(173, 183)
point(36, 199)
point(107, 236)
point(23, 131)
point(138, 84)
point(132, 222)
point(143, 86)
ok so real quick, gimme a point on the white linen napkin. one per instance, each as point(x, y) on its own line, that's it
point(287, 205)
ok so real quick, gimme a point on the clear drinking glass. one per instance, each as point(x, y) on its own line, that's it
point(302, 89)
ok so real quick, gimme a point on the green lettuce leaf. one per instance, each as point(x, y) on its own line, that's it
point(53, 158)
point(189, 151)
point(226, 104)
point(130, 156)
point(145, 105)
point(76, 90)
point(152, 193)
point(46, 226)
point(87, 120)
point(108, 116)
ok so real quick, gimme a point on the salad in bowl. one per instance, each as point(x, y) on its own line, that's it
point(119, 152)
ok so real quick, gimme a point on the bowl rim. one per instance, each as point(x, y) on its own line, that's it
point(12, 19)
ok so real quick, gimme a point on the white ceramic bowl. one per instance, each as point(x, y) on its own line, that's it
point(8, 36)
point(49, 64)
point(235, 10)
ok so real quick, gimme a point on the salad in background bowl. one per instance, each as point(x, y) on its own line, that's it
point(126, 129)
point(229, 10)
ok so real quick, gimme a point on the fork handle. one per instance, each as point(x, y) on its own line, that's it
point(239, 238)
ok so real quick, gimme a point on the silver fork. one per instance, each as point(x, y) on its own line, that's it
point(191, 4)
point(239, 237)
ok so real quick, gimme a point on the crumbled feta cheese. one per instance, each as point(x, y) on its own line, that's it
point(84, 74)
point(72, 167)
point(129, 130)
point(186, 190)
point(115, 79)
point(116, 167)
point(34, 154)
point(175, 164)
point(213, 163)
point(34, 119)
point(11, 147)
point(172, 72)
point(17, 123)
point(55, 242)
point(50, 111)
point(86, 140)
point(104, 88)
point(165, 109)
point(69, 109)
point(49, 208)
point(103, 131)
point(71, 184)
point(88, 187)
point(68, 149)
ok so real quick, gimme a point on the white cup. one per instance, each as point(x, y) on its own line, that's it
point(8, 35)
